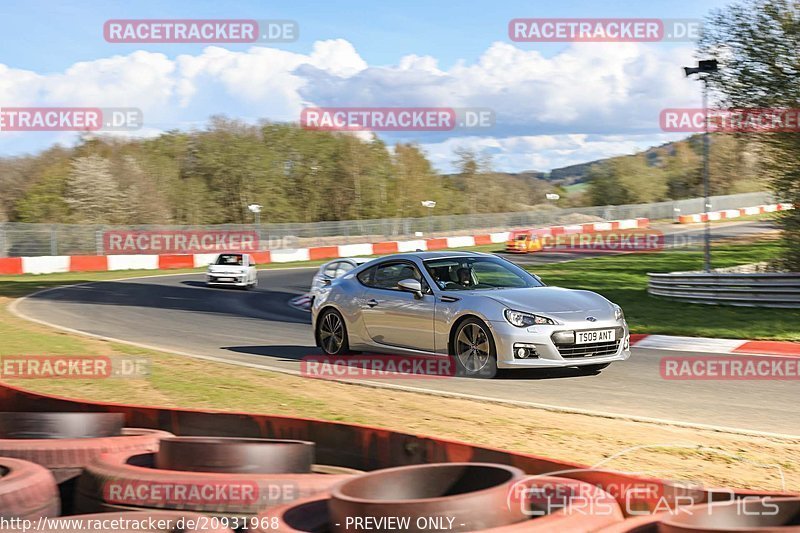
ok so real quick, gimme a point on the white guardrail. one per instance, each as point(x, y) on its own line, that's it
point(769, 289)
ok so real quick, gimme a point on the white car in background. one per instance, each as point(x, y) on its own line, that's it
point(332, 270)
point(235, 269)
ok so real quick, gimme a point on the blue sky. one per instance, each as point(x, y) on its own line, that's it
point(457, 53)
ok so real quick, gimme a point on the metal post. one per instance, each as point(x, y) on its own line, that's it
point(53, 241)
point(706, 185)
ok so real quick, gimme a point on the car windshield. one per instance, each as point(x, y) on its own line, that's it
point(230, 259)
point(478, 273)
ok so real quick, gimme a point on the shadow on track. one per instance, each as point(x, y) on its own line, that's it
point(191, 296)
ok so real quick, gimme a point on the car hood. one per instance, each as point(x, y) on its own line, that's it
point(555, 301)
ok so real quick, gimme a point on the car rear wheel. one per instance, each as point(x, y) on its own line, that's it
point(332, 333)
point(474, 350)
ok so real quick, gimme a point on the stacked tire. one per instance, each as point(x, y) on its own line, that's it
point(65, 443)
point(456, 497)
point(222, 477)
point(27, 491)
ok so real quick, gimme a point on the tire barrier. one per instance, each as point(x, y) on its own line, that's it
point(219, 476)
point(27, 491)
point(66, 457)
point(350, 449)
point(231, 455)
point(133, 522)
point(453, 497)
point(60, 425)
point(473, 495)
point(775, 515)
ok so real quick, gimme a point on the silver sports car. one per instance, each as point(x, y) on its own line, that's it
point(481, 310)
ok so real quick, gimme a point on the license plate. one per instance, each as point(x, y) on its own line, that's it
point(224, 279)
point(598, 335)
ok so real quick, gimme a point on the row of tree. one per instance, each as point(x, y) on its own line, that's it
point(675, 171)
point(298, 175)
point(211, 176)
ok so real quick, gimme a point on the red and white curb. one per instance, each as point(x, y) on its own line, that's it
point(103, 263)
point(709, 345)
point(726, 214)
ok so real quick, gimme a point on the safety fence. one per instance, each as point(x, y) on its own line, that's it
point(100, 263)
point(770, 289)
point(29, 240)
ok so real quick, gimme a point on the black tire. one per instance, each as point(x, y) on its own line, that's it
point(592, 369)
point(476, 362)
point(332, 333)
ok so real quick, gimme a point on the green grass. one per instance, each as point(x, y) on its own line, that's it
point(623, 280)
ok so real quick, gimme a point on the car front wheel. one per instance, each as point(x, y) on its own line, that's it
point(474, 350)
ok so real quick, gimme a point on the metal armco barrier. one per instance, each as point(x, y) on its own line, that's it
point(751, 290)
point(410, 475)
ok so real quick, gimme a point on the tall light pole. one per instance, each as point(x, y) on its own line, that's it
point(256, 210)
point(707, 67)
point(430, 204)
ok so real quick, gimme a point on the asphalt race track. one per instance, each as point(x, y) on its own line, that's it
point(177, 312)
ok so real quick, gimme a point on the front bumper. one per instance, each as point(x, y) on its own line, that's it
point(550, 355)
point(236, 280)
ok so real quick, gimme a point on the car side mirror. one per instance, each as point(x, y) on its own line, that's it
point(411, 285)
point(326, 281)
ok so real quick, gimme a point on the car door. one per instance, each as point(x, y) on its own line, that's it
point(395, 317)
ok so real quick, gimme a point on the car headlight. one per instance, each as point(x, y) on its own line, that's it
point(523, 320)
point(618, 314)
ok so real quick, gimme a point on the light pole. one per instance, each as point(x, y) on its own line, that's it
point(430, 204)
point(706, 67)
point(256, 210)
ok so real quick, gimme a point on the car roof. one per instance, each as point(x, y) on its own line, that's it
point(434, 255)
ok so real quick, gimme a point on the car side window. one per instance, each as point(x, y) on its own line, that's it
point(344, 268)
point(387, 275)
point(330, 270)
point(365, 277)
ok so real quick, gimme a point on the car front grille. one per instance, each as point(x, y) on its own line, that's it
point(596, 349)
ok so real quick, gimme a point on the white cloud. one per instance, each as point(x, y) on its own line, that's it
point(590, 100)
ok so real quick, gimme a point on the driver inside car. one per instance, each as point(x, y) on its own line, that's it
point(464, 277)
